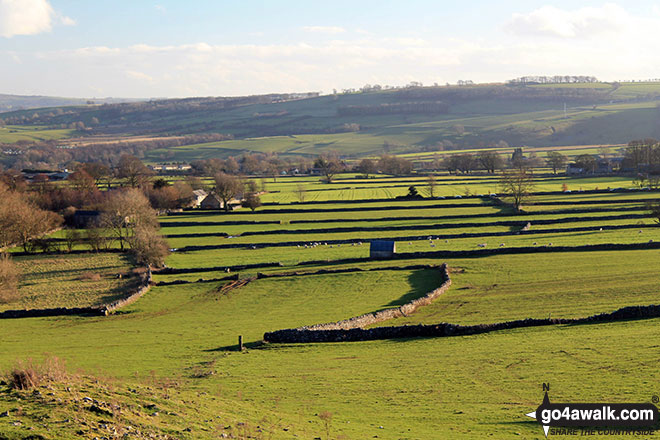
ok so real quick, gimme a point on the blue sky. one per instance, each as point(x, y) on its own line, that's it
point(201, 48)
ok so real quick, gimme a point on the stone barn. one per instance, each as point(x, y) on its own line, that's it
point(382, 249)
point(211, 201)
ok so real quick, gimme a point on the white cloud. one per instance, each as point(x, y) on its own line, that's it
point(580, 23)
point(25, 17)
point(67, 21)
point(558, 42)
point(29, 17)
point(139, 75)
point(324, 29)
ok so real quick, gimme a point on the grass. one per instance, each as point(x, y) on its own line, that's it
point(502, 288)
point(10, 134)
point(175, 346)
point(71, 280)
point(479, 385)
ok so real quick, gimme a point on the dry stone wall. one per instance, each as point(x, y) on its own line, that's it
point(305, 335)
point(368, 318)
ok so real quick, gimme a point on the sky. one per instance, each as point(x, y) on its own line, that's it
point(156, 49)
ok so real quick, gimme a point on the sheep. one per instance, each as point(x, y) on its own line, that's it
point(482, 245)
point(534, 244)
point(501, 244)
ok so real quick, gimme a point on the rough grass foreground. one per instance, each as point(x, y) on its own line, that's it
point(44, 400)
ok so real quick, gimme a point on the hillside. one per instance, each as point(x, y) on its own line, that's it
point(23, 102)
point(404, 120)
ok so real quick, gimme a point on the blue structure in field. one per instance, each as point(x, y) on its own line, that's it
point(382, 249)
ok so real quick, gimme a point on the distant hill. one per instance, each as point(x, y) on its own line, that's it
point(404, 120)
point(22, 102)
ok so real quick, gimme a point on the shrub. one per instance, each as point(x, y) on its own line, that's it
point(149, 247)
point(24, 377)
point(27, 375)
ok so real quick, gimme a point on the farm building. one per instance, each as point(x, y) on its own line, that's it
point(86, 219)
point(200, 195)
point(382, 249)
point(211, 201)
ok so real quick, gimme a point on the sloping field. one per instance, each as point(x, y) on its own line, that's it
point(180, 340)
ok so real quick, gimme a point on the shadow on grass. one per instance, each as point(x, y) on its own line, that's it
point(421, 282)
point(234, 347)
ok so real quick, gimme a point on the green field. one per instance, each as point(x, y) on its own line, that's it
point(10, 134)
point(175, 347)
point(72, 280)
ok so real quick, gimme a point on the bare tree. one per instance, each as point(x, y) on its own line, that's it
point(366, 167)
point(251, 198)
point(432, 184)
point(301, 192)
point(490, 161)
point(133, 171)
point(99, 172)
point(149, 247)
point(329, 166)
point(556, 160)
point(517, 185)
point(21, 222)
point(82, 181)
point(227, 187)
point(126, 211)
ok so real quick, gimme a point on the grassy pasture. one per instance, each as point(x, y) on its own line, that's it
point(71, 280)
point(10, 134)
point(480, 385)
point(502, 288)
point(463, 387)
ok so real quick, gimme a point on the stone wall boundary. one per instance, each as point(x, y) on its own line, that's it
point(373, 317)
point(309, 335)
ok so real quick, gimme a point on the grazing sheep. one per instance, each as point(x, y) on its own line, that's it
point(534, 244)
point(640, 231)
point(549, 244)
point(482, 245)
point(446, 241)
point(501, 244)
point(410, 242)
point(650, 241)
point(601, 229)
